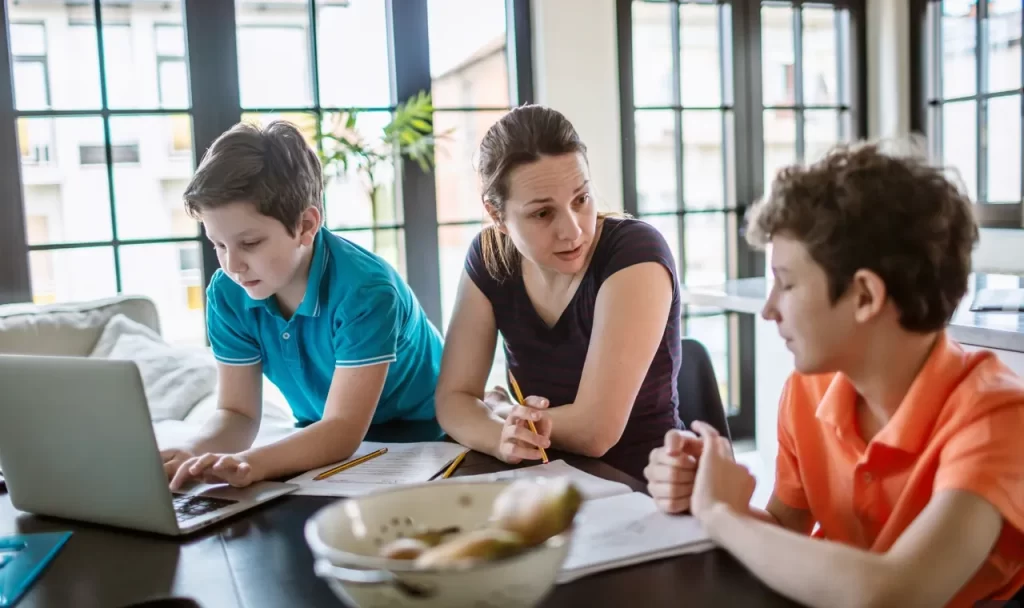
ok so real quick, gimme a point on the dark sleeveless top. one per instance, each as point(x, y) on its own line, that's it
point(548, 361)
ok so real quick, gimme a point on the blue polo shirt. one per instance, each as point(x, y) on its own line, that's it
point(357, 311)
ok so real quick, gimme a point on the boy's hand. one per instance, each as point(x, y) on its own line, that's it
point(173, 459)
point(671, 471)
point(719, 480)
point(233, 469)
point(518, 442)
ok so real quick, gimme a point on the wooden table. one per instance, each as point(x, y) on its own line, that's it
point(260, 559)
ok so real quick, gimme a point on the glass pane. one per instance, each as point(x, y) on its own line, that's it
point(713, 333)
point(959, 68)
point(132, 44)
point(779, 142)
point(346, 30)
point(656, 169)
point(821, 133)
point(1004, 150)
point(468, 65)
point(74, 64)
point(778, 68)
point(652, 54)
point(66, 199)
point(1004, 42)
point(31, 90)
point(172, 83)
point(960, 142)
point(348, 193)
point(457, 184)
point(820, 56)
point(700, 59)
point(388, 244)
point(148, 194)
point(72, 275)
point(171, 274)
point(27, 38)
point(705, 249)
point(668, 226)
point(703, 173)
point(453, 244)
point(273, 54)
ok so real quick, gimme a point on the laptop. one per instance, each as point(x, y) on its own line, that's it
point(77, 442)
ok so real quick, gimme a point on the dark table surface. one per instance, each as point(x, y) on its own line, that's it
point(260, 559)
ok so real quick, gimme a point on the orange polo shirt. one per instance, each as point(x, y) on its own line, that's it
point(961, 426)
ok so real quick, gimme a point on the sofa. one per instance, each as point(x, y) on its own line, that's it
point(128, 327)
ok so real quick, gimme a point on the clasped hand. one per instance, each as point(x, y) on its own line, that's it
point(518, 442)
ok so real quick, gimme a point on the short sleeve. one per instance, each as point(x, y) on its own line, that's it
point(231, 338)
point(476, 268)
point(986, 458)
point(631, 242)
point(366, 327)
point(789, 487)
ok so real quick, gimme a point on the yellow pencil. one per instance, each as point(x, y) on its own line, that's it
point(351, 463)
point(455, 463)
point(519, 398)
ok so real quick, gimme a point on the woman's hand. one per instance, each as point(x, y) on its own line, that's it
point(518, 442)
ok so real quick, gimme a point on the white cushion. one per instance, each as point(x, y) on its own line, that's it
point(175, 377)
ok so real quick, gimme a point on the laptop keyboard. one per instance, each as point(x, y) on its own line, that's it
point(187, 507)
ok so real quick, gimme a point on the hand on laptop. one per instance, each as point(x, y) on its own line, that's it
point(173, 459)
point(232, 469)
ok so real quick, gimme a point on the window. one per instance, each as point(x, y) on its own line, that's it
point(970, 108)
point(687, 166)
point(171, 73)
point(96, 156)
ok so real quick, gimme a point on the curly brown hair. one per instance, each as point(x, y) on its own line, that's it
point(865, 207)
point(272, 168)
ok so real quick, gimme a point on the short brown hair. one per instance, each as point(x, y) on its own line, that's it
point(862, 207)
point(522, 136)
point(271, 167)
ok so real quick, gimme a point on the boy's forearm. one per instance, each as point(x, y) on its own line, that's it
point(810, 571)
point(225, 432)
point(321, 443)
point(471, 422)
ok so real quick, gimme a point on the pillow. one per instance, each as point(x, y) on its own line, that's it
point(175, 378)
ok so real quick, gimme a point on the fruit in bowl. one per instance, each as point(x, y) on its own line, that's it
point(446, 544)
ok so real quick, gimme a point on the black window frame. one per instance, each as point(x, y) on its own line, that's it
point(747, 158)
point(927, 101)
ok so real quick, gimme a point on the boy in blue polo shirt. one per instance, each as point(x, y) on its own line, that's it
point(331, 324)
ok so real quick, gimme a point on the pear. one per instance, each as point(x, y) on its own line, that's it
point(536, 509)
point(434, 537)
point(470, 548)
point(404, 548)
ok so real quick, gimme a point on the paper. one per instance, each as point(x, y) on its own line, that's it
point(404, 463)
point(589, 485)
point(628, 529)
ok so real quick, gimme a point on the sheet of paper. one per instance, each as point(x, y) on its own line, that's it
point(589, 485)
point(404, 463)
point(628, 529)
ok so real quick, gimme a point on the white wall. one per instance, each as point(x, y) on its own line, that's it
point(575, 55)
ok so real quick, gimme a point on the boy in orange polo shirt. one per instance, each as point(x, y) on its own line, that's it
point(900, 473)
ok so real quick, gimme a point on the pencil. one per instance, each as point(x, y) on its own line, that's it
point(519, 398)
point(351, 463)
point(455, 463)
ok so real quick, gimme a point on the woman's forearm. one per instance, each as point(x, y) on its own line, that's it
point(470, 421)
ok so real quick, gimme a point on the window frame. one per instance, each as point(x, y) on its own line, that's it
point(746, 156)
point(926, 105)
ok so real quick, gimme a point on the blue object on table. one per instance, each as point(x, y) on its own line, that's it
point(22, 559)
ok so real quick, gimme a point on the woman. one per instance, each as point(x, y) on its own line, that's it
point(588, 306)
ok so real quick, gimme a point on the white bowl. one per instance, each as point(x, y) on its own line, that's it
point(345, 537)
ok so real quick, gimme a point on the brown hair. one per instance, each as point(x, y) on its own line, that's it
point(272, 168)
point(522, 136)
point(861, 207)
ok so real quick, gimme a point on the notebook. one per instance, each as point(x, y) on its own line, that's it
point(403, 463)
point(23, 559)
point(616, 527)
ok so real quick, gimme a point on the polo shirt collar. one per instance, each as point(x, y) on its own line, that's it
point(310, 305)
point(908, 430)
